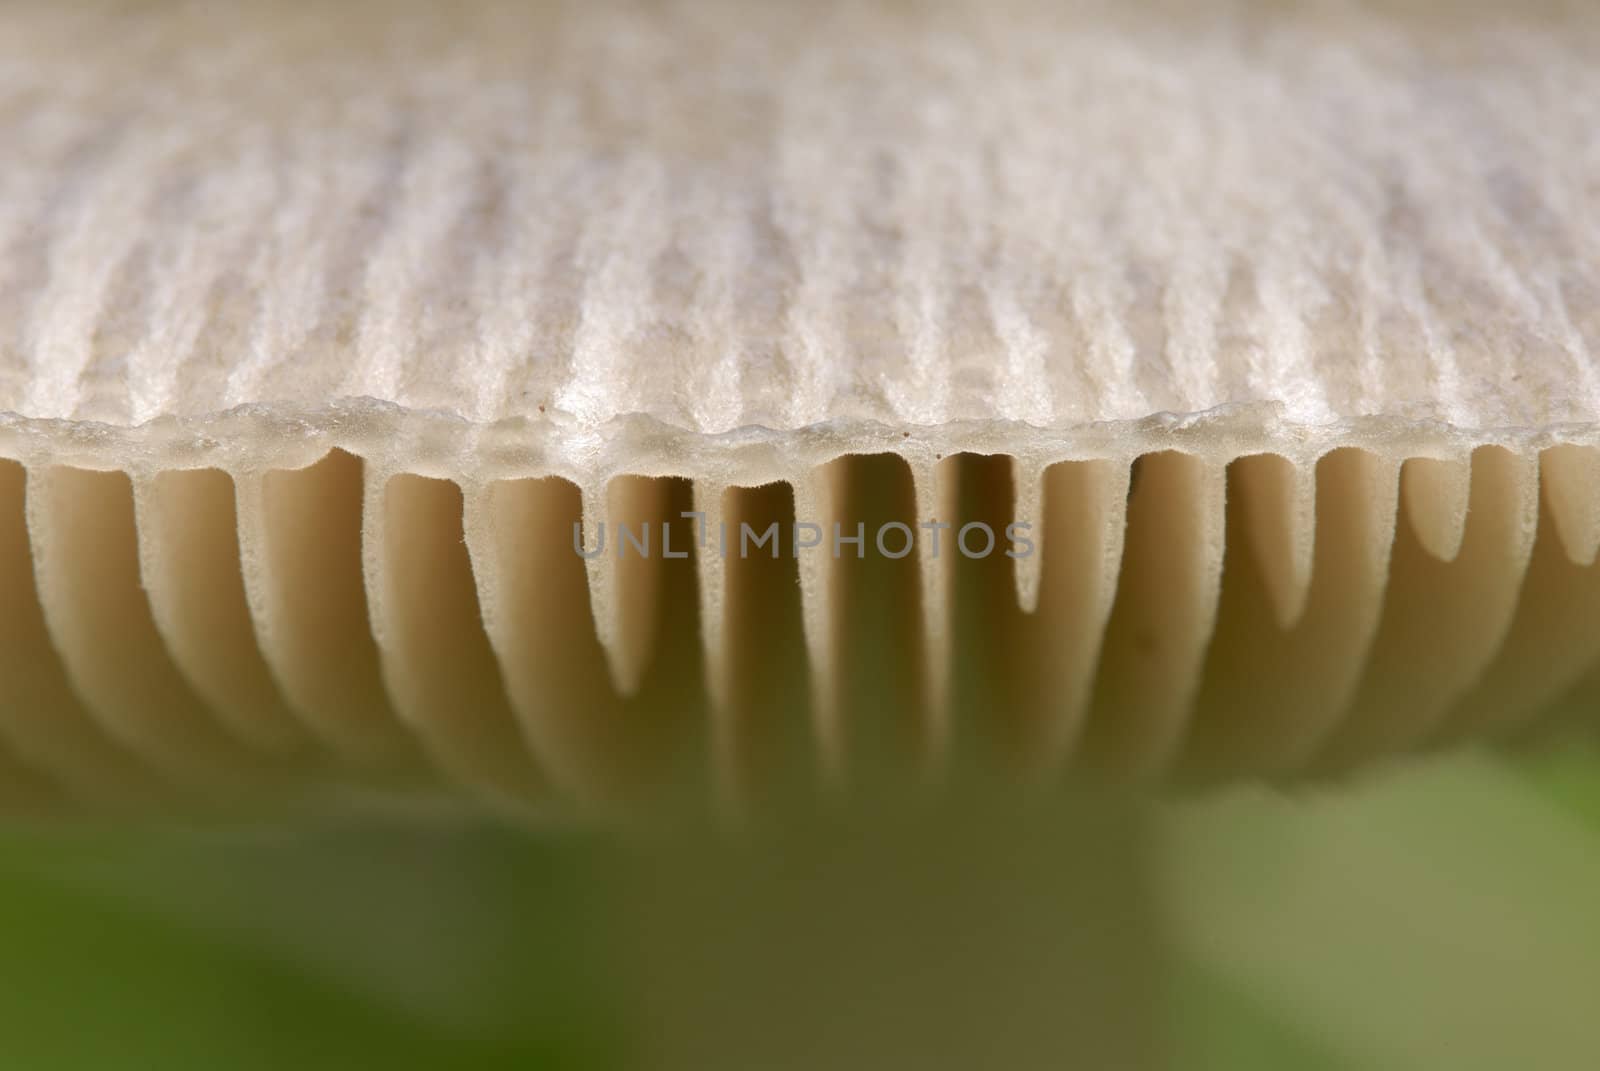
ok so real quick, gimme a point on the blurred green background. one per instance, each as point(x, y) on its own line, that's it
point(1440, 913)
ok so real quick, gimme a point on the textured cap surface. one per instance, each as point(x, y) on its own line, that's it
point(719, 215)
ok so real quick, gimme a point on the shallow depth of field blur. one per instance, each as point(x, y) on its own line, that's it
point(1437, 914)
